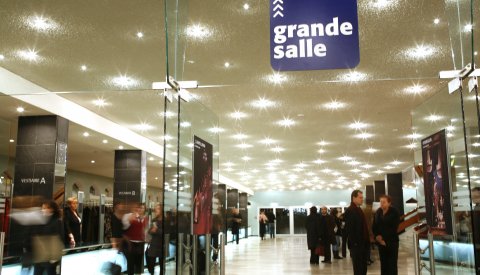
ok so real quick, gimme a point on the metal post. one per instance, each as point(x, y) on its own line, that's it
point(431, 253)
point(221, 237)
point(194, 256)
point(2, 244)
point(416, 253)
point(101, 227)
point(180, 253)
point(208, 241)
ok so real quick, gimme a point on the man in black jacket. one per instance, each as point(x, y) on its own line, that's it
point(357, 233)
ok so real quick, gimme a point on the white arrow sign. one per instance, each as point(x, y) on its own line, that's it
point(278, 7)
point(277, 1)
point(278, 13)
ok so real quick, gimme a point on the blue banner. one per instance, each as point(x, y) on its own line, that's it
point(313, 34)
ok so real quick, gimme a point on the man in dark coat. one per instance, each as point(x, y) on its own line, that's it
point(357, 233)
point(312, 225)
point(327, 229)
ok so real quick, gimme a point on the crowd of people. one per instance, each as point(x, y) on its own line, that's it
point(358, 230)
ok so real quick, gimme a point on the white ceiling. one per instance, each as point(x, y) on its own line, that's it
point(102, 35)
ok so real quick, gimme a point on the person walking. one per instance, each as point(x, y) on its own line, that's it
point(262, 219)
point(236, 222)
point(134, 224)
point(384, 228)
point(155, 247)
point(312, 225)
point(338, 233)
point(327, 234)
point(357, 233)
point(271, 223)
point(72, 224)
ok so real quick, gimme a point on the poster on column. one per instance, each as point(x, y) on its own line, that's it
point(436, 184)
point(202, 186)
point(219, 199)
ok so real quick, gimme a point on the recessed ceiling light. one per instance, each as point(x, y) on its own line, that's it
point(226, 65)
point(323, 143)
point(286, 122)
point(185, 124)
point(476, 144)
point(263, 103)
point(92, 161)
point(229, 163)
point(388, 167)
point(123, 81)
point(2, 57)
point(364, 135)
point(334, 105)
point(246, 6)
point(382, 4)
point(277, 78)
point(436, 21)
point(475, 53)
point(140, 34)
point(151, 158)
point(100, 102)
point(198, 31)
point(167, 114)
point(86, 134)
point(29, 55)
point(354, 163)
point(321, 151)
point(83, 67)
point(104, 141)
point(345, 158)
point(239, 136)
point(246, 158)
point(120, 147)
point(371, 150)
point(319, 161)
point(420, 51)
point(367, 166)
point(433, 117)
point(11, 140)
point(244, 145)
point(357, 125)
point(167, 137)
point(414, 136)
point(415, 89)
point(277, 149)
point(238, 115)
point(396, 163)
point(216, 130)
point(379, 172)
point(144, 126)
point(20, 109)
point(354, 76)
point(41, 23)
point(267, 141)
point(468, 28)
point(412, 145)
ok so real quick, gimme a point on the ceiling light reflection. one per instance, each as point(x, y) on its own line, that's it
point(334, 105)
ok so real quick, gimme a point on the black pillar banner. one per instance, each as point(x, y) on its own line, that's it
point(219, 203)
point(242, 206)
point(129, 180)
point(369, 195)
point(379, 189)
point(202, 186)
point(39, 167)
point(436, 184)
point(232, 202)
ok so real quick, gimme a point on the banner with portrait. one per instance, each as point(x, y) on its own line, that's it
point(437, 184)
point(202, 186)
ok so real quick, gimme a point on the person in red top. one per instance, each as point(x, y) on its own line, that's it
point(134, 224)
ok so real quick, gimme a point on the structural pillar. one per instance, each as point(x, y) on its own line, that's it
point(130, 176)
point(394, 187)
point(379, 189)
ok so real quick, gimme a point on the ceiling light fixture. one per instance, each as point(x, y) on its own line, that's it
point(140, 34)
point(104, 141)
point(11, 140)
point(334, 105)
point(216, 130)
point(267, 141)
point(364, 135)
point(86, 134)
point(277, 78)
point(83, 68)
point(29, 55)
point(238, 115)
point(120, 147)
point(319, 161)
point(263, 103)
point(415, 89)
point(286, 122)
point(433, 118)
point(412, 145)
point(20, 109)
point(2, 57)
point(239, 136)
point(41, 23)
point(185, 124)
point(321, 151)
point(436, 21)
point(227, 65)
point(345, 158)
point(246, 158)
point(371, 150)
point(323, 143)
point(198, 31)
point(244, 145)
point(396, 163)
point(92, 161)
point(100, 102)
point(468, 28)
point(420, 52)
point(414, 136)
point(382, 4)
point(277, 149)
point(246, 6)
point(357, 125)
point(354, 76)
point(124, 81)
point(144, 127)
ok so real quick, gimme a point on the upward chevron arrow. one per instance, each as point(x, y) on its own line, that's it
point(278, 7)
point(278, 13)
point(277, 1)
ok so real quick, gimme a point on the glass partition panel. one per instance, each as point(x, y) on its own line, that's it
point(283, 220)
point(299, 218)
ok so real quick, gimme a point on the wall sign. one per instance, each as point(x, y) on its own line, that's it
point(313, 34)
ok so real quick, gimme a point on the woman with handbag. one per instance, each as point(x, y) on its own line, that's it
point(155, 247)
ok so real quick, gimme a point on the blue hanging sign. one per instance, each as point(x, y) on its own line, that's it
point(313, 34)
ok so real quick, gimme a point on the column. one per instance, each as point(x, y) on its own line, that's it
point(242, 206)
point(130, 176)
point(394, 188)
point(369, 195)
point(379, 189)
